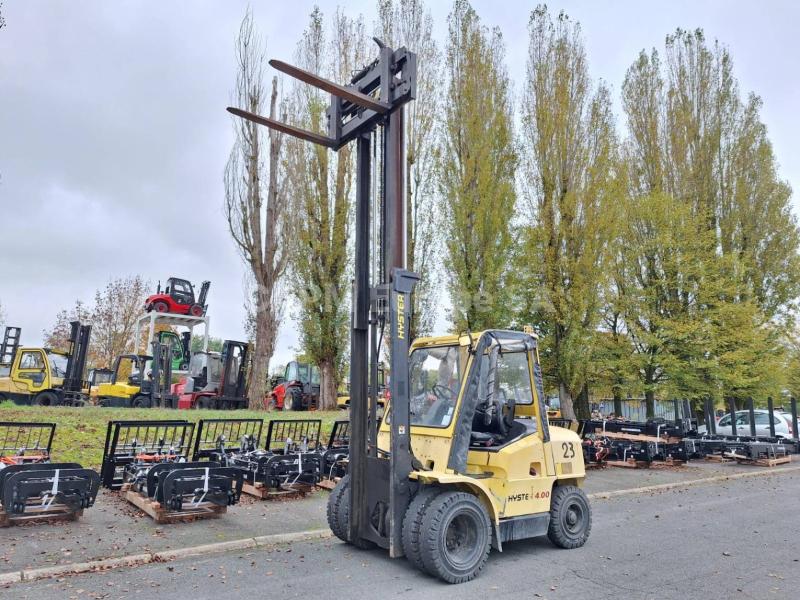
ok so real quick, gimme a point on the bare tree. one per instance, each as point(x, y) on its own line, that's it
point(256, 216)
point(2, 19)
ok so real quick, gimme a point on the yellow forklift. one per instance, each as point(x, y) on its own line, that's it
point(464, 459)
point(43, 376)
point(147, 385)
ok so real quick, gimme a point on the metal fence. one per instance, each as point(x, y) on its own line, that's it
point(635, 409)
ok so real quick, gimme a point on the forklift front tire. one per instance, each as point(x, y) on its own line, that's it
point(412, 524)
point(141, 402)
point(570, 517)
point(338, 495)
point(46, 399)
point(455, 537)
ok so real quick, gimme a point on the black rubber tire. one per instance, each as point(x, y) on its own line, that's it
point(159, 306)
point(412, 524)
point(456, 537)
point(337, 496)
point(195, 310)
point(46, 399)
point(570, 517)
point(343, 520)
point(183, 366)
point(141, 402)
point(293, 400)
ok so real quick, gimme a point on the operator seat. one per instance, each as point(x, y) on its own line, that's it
point(500, 426)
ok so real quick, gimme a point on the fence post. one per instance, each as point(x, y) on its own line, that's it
point(771, 411)
point(732, 407)
point(752, 415)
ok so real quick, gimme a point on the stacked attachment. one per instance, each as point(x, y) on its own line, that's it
point(288, 460)
point(148, 460)
point(32, 487)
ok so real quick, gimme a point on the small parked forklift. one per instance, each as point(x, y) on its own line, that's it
point(298, 389)
point(475, 463)
point(143, 387)
point(178, 298)
point(46, 377)
point(216, 381)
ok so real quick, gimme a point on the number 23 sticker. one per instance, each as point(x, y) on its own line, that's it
point(569, 449)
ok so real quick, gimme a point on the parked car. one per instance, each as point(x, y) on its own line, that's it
point(782, 420)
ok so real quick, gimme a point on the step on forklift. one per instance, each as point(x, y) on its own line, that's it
point(42, 376)
point(464, 460)
point(147, 385)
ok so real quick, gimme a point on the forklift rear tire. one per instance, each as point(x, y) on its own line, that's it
point(141, 402)
point(456, 537)
point(412, 524)
point(570, 517)
point(46, 399)
point(196, 310)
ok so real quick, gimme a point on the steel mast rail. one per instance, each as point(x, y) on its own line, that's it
point(374, 98)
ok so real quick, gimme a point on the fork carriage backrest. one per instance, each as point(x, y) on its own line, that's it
point(126, 439)
point(281, 430)
point(25, 436)
point(206, 441)
point(340, 435)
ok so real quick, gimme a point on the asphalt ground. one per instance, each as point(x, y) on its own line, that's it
point(114, 528)
point(731, 539)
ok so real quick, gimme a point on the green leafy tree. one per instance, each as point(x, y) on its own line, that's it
point(322, 184)
point(693, 137)
point(476, 168)
point(571, 192)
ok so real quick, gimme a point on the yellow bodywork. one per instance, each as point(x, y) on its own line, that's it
point(514, 479)
point(117, 390)
point(30, 374)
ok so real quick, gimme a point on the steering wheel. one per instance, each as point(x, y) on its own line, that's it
point(443, 392)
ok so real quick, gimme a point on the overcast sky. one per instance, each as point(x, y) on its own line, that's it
point(113, 133)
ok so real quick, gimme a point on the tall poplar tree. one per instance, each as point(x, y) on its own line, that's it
point(322, 184)
point(571, 193)
point(476, 169)
point(407, 23)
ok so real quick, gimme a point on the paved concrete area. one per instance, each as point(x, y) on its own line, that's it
point(114, 528)
point(734, 539)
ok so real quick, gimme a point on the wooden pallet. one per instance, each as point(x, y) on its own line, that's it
point(763, 462)
point(718, 458)
point(159, 514)
point(53, 513)
point(627, 464)
point(262, 492)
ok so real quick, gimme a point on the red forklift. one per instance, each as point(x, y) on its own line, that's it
point(178, 298)
point(216, 380)
point(297, 389)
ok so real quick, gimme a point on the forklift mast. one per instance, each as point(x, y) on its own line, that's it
point(8, 350)
point(161, 372)
point(233, 378)
point(76, 357)
point(374, 98)
point(201, 299)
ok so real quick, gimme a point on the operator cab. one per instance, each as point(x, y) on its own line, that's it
point(180, 290)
